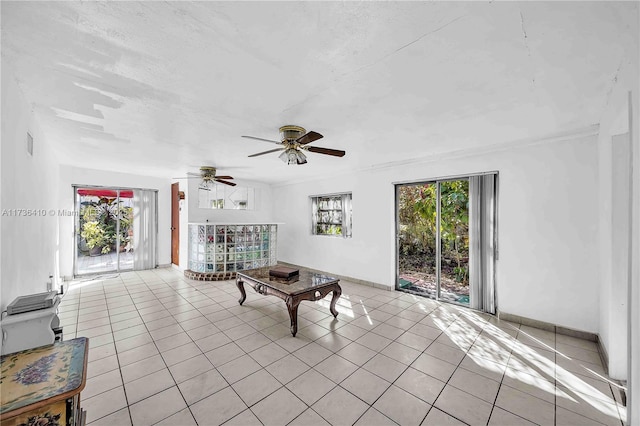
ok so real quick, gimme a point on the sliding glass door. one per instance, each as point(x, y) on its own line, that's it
point(104, 230)
point(433, 239)
point(416, 236)
point(444, 234)
point(454, 240)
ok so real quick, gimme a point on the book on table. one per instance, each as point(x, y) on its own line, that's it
point(283, 272)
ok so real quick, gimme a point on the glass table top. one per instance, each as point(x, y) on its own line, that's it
point(305, 281)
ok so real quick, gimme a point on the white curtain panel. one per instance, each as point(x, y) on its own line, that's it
point(482, 223)
point(145, 229)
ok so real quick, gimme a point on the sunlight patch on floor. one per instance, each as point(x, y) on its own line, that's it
point(496, 349)
point(342, 306)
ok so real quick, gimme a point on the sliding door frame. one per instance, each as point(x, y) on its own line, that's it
point(118, 189)
point(436, 181)
point(438, 241)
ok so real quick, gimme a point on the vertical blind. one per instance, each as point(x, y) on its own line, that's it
point(482, 242)
point(145, 229)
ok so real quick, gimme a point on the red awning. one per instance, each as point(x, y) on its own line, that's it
point(108, 193)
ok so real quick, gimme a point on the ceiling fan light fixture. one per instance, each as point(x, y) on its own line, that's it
point(206, 184)
point(293, 156)
point(300, 157)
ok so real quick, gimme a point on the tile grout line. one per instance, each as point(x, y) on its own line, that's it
point(554, 381)
point(229, 385)
point(449, 379)
point(117, 358)
point(117, 353)
point(493, 406)
point(193, 341)
point(186, 332)
point(176, 288)
point(283, 321)
point(359, 367)
point(175, 383)
point(311, 368)
point(160, 353)
point(407, 367)
point(124, 389)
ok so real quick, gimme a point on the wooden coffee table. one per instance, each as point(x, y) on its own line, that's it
point(307, 286)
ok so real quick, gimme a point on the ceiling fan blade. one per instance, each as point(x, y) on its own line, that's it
point(225, 182)
point(261, 139)
point(327, 151)
point(266, 152)
point(309, 137)
point(224, 177)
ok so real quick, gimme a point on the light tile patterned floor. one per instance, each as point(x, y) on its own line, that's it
point(166, 350)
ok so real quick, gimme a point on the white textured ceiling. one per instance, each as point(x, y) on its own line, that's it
point(159, 88)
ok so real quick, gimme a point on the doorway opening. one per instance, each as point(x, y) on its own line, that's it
point(445, 240)
point(115, 229)
point(175, 224)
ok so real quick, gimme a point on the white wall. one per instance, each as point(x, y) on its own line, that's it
point(261, 213)
point(613, 327)
point(633, 376)
point(548, 264)
point(70, 176)
point(192, 213)
point(605, 241)
point(613, 229)
point(29, 245)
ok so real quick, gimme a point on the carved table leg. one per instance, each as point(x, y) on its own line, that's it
point(336, 295)
point(292, 306)
point(240, 285)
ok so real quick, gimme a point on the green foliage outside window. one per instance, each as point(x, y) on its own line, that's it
point(417, 213)
point(99, 223)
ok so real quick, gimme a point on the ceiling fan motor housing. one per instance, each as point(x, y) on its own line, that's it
point(208, 171)
point(290, 133)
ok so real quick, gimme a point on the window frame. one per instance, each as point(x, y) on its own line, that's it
point(345, 209)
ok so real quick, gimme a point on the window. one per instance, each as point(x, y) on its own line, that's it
point(331, 215)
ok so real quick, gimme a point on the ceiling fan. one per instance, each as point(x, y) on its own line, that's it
point(209, 177)
point(294, 140)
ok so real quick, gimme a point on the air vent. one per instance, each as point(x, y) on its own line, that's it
point(29, 144)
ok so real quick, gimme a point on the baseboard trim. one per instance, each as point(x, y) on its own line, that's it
point(604, 356)
point(585, 335)
point(342, 277)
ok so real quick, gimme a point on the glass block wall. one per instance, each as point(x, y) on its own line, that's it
point(231, 248)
